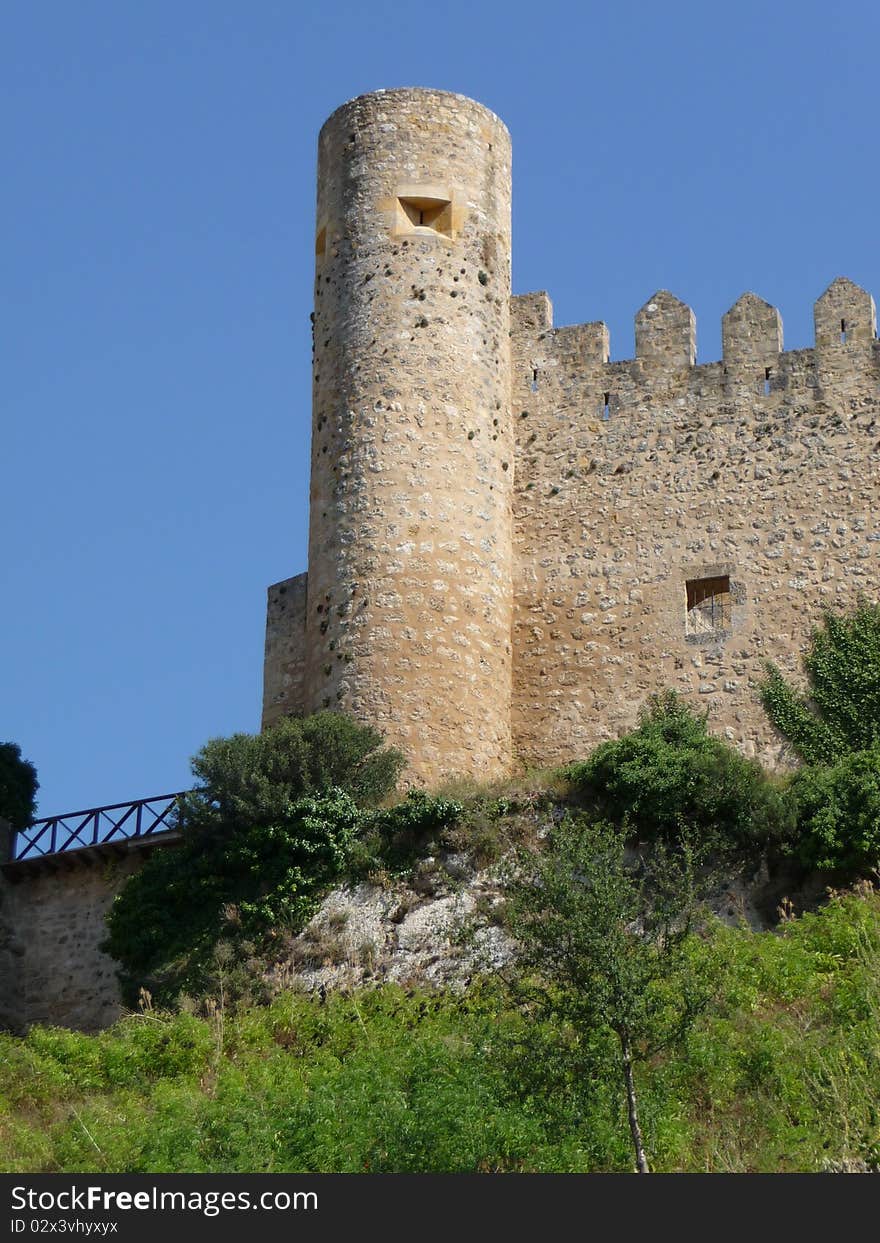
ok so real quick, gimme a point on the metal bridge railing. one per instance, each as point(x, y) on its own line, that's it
point(144, 817)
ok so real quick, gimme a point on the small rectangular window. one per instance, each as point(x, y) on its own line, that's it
point(766, 381)
point(424, 215)
point(708, 605)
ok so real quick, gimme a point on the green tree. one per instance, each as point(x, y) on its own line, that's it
point(609, 943)
point(670, 773)
point(18, 786)
point(840, 711)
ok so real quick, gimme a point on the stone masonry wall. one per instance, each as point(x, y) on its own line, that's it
point(51, 924)
point(284, 661)
point(633, 478)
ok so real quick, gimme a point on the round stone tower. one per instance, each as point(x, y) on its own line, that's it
point(408, 620)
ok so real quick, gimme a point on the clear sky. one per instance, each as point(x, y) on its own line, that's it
point(157, 220)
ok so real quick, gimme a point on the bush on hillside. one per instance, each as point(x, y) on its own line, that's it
point(247, 879)
point(670, 774)
point(838, 813)
point(268, 828)
point(395, 837)
point(256, 775)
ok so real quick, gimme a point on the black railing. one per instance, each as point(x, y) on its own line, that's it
point(95, 826)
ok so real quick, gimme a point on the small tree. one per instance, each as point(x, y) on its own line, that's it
point(840, 713)
point(609, 943)
point(18, 786)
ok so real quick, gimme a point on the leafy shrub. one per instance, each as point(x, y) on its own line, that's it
point(841, 711)
point(838, 813)
point(395, 836)
point(262, 836)
point(670, 774)
point(18, 786)
point(240, 882)
point(256, 775)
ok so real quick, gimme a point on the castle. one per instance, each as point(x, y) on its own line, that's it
point(514, 541)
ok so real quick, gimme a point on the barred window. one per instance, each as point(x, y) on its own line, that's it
point(708, 605)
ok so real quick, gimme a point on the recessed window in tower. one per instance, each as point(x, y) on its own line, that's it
point(767, 374)
point(708, 605)
point(424, 215)
point(843, 332)
point(321, 243)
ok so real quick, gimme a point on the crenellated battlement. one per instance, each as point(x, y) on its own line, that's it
point(666, 334)
point(751, 334)
point(845, 320)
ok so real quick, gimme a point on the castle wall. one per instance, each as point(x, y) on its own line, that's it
point(284, 659)
point(51, 924)
point(410, 587)
point(634, 478)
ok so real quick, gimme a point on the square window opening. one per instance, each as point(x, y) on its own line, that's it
point(425, 215)
point(708, 605)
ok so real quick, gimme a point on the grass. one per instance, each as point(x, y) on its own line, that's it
point(781, 1074)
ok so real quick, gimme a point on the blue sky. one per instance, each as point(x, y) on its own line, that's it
point(158, 240)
